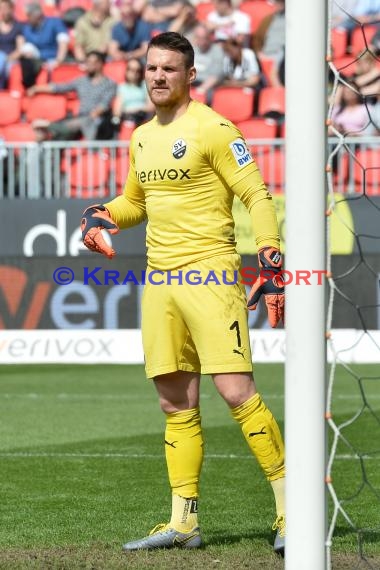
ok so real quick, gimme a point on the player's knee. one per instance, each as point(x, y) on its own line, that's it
point(168, 407)
point(235, 399)
point(235, 389)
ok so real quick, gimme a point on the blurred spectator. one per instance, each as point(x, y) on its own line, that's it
point(11, 40)
point(277, 75)
point(48, 35)
point(93, 30)
point(132, 102)
point(340, 11)
point(208, 61)
point(269, 38)
point(227, 22)
point(362, 12)
point(46, 42)
point(241, 68)
point(375, 42)
point(130, 36)
point(95, 92)
point(374, 113)
point(349, 114)
point(160, 13)
point(186, 21)
point(367, 77)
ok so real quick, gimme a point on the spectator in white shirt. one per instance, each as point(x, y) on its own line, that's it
point(241, 68)
point(226, 22)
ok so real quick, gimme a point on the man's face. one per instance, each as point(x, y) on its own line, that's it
point(202, 39)
point(104, 6)
point(5, 12)
point(167, 78)
point(222, 7)
point(93, 65)
point(127, 9)
point(34, 18)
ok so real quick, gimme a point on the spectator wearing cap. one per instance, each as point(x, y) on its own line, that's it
point(93, 30)
point(130, 36)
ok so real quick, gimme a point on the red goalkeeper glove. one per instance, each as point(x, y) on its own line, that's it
point(270, 283)
point(95, 219)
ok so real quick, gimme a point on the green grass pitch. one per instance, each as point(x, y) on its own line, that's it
point(82, 471)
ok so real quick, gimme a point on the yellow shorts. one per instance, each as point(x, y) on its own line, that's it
point(196, 327)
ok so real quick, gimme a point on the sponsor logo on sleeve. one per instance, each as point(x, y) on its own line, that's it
point(241, 152)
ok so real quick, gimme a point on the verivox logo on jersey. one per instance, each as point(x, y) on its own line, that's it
point(241, 152)
point(179, 148)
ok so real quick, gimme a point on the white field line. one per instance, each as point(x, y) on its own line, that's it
point(70, 396)
point(53, 455)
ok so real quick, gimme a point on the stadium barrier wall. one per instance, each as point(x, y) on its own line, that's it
point(125, 346)
point(98, 169)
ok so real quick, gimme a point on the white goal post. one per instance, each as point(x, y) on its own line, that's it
point(305, 305)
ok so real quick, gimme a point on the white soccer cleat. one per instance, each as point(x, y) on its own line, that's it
point(279, 541)
point(162, 536)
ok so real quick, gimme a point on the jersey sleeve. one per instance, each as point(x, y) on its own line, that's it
point(129, 209)
point(230, 157)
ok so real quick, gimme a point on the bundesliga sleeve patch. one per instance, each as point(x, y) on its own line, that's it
point(240, 152)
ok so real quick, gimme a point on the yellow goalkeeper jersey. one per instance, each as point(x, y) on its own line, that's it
point(183, 177)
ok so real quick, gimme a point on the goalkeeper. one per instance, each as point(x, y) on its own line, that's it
point(186, 166)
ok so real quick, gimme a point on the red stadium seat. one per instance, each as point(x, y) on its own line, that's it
point(339, 39)
point(65, 5)
point(367, 171)
point(234, 103)
point(115, 70)
point(10, 105)
point(46, 106)
point(15, 79)
point(19, 132)
point(272, 167)
point(66, 72)
point(345, 64)
point(257, 10)
point(258, 129)
point(360, 37)
point(197, 95)
point(203, 9)
point(272, 101)
point(267, 64)
point(121, 169)
point(89, 175)
point(126, 130)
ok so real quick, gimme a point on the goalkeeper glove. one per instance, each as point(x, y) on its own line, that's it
point(270, 284)
point(94, 219)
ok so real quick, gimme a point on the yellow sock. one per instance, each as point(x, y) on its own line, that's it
point(263, 436)
point(184, 513)
point(278, 486)
point(184, 451)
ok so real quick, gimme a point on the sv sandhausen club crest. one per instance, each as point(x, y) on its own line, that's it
point(179, 148)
